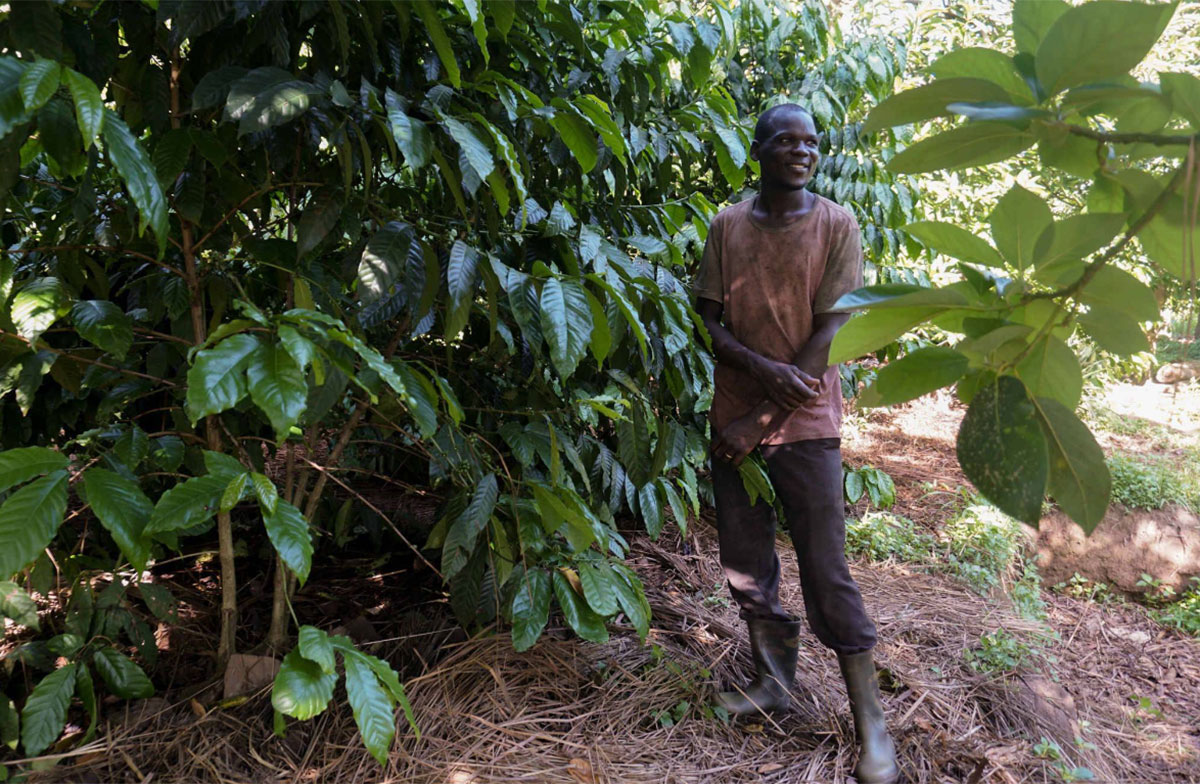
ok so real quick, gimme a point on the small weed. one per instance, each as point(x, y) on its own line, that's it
point(883, 535)
point(1183, 615)
point(998, 651)
point(1081, 587)
point(1049, 750)
point(873, 482)
point(690, 677)
point(983, 543)
point(1152, 484)
point(1144, 709)
point(717, 596)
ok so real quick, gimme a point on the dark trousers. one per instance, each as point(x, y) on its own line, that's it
point(807, 477)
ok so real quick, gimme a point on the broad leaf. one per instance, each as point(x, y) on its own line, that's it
point(319, 218)
point(383, 260)
point(217, 378)
point(1051, 369)
point(1002, 450)
point(931, 100)
point(123, 509)
point(918, 373)
point(371, 704)
point(476, 152)
point(266, 97)
point(632, 599)
point(187, 504)
point(45, 712)
point(1077, 237)
point(580, 617)
point(977, 62)
point(577, 134)
point(460, 539)
point(462, 271)
point(875, 329)
point(315, 645)
point(1184, 92)
point(955, 241)
point(265, 491)
point(89, 106)
point(122, 676)
point(1099, 40)
point(1031, 19)
point(38, 82)
point(974, 144)
point(598, 587)
point(37, 305)
point(277, 386)
point(411, 135)
point(288, 531)
point(1079, 480)
point(530, 608)
point(103, 324)
point(18, 605)
point(1113, 330)
point(437, 36)
point(1116, 289)
point(24, 463)
point(1018, 221)
point(137, 171)
point(302, 689)
point(566, 320)
point(29, 519)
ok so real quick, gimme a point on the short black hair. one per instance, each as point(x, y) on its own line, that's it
point(766, 120)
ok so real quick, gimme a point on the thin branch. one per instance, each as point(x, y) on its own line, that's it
point(1158, 139)
point(62, 353)
point(267, 189)
point(102, 249)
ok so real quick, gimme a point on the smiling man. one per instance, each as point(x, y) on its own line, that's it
point(773, 268)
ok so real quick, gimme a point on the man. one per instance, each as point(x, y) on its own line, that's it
point(773, 267)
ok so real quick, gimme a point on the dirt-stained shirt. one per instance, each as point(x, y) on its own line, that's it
point(772, 281)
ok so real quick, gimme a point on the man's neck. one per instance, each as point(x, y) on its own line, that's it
point(781, 206)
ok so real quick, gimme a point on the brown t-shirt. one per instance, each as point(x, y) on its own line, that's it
point(771, 281)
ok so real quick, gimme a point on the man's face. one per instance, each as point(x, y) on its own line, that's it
point(788, 157)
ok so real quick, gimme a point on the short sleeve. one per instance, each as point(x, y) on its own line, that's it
point(709, 281)
point(843, 268)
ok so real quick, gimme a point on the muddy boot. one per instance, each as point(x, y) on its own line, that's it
point(775, 645)
point(877, 754)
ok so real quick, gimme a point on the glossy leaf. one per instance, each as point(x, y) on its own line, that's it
point(1079, 480)
point(89, 106)
point(975, 144)
point(288, 530)
point(24, 463)
point(302, 689)
point(187, 504)
point(955, 241)
point(566, 323)
point(217, 378)
point(103, 324)
point(1002, 450)
point(29, 519)
point(36, 306)
point(137, 171)
point(371, 705)
point(38, 82)
point(123, 509)
point(598, 587)
point(277, 386)
point(916, 374)
point(17, 605)
point(315, 645)
point(530, 608)
point(587, 624)
point(45, 712)
point(578, 135)
point(121, 675)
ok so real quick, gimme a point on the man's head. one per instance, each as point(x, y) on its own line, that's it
point(785, 145)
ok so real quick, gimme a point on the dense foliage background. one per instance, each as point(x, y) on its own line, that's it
point(263, 259)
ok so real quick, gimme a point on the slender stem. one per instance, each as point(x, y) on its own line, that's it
point(101, 249)
point(265, 189)
point(1111, 137)
point(87, 361)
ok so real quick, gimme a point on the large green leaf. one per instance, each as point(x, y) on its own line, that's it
point(1097, 41)
point(316, 646)
point(580, 617)
point(1051, 369)
point(137, 171)
point(45, 712)
point(955, 241)
point(277, 386)
point(1076, 237)
point(1002, 450)
point(460, 539)
point(530, 608)
point(1018, 221)
point(24, 463)
point(302, 689)
point(462, 271)
point(103, 324)
point(577, 133)
point(921, 371)
point(383, 260)
point(441, 42)
point(187, 504)
point(266, 97)
point(217, 378)
point(1079, 480)
point(632, 598)
point(875, 329)
point(974, 144)
point(89, 106)
point(411, 135)
point(288, 530)
point(121, 675)
point(599, 588)
point(12, 107)
point(28, 520)
point(38, 82)
point(476, 152)
point(1183, 90)
point(931, 100)
point(59, 137)
point(1115, 288)
point(1031, 19)
point(319, 218)
point(977, 62)
point(371, 704)
point(18, 605)
point(123, 509)
point(38, 305)
point(566, 323)
point(1114, 330)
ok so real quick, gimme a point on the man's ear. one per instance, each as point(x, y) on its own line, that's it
point(754, 149)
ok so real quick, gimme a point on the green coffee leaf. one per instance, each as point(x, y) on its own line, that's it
point(918, 373)
point(89, 106)
point(187, 504)
point(632, 599)
point(383, 260)
point(476, 152)
point(123, 509)
point(288, 531)
point(38, 305)
point(24, 463)
point(530, 608)
point(38, 82)
point(18, 605)
point(319, 218)
point(1018, 221)
point(29, 519)
point(277, 386)
point(103, 324)
point(371, 704)
point(577, 133)
point(598, 587)
point(411, 135)
point(460, 539)
point(121, 675)
point(1079, 478)
point(1098, 41)
point(315, 646)
point(1002, 450)
point(955, 241)
point(217, 378)
point(1051, 369)
point(302, 689)
point(566, 320)
point(45, 712)
point(587, 624)
point(441, 42)
point(137, 171)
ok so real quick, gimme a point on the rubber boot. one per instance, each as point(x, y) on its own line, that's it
point(877, 754)
point(775, 646)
